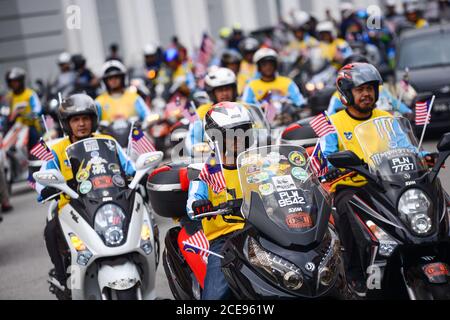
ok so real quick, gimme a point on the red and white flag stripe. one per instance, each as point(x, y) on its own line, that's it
point(321, 125)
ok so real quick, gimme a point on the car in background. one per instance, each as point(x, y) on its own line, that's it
point(426, 53)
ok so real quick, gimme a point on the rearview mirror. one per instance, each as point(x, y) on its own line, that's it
point(53, 178)
point(344, 159)
point(144, 163)
point(444, 143)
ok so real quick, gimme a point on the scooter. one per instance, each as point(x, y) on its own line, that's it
point(400, 218)
point(112, 246)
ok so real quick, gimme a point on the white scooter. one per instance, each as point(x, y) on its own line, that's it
point(109, 230)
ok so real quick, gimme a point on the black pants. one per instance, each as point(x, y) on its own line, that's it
point(53, 238)
point(352, 259)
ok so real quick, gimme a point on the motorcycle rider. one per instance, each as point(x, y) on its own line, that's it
point(248, 70)
point(180, 76)
point(334, 49)
point(119, 102)
point(24, 104)
point(358, 85)
point(78, 115)
point(300, 26)
point(270, 82)
point(85, 81)
point(65, 80)
point(386, 97)
point(222, 123)
point(232, 59)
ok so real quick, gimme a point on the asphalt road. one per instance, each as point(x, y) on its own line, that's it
point(24, 263)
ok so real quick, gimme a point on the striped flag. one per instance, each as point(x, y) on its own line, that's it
point(140, 143)
point(212, 174)
point(422, 116)
point(196, 243)
point(42, 152)
point(319, 163)
point(322, 125)
point(31, 182)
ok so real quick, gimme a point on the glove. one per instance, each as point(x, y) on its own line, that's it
point(334, 173)
point(431, 158)
point(201, 206)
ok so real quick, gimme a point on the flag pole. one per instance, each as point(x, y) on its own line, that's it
point(426, 121)
point(312, 155)
point(216, 146)
point(128, 145)
point(337, 132)
point(203, 249)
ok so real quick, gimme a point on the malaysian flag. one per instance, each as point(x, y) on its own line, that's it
point(140, 143)
point(319, 163)
point(42, 152)
point(422, 116)
point(212, 174)
point(270, 110)
point(322, 125)
point(197, 243)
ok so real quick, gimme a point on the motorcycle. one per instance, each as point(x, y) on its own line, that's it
point(400, 218)
point(111, 241)
point(288, 248)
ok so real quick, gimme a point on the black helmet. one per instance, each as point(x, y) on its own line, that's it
point(15, 74)
point(76, 105)
point(248, 45)
point(78, 61)
point(230, 57)
point(355, 58)
point(354, 75)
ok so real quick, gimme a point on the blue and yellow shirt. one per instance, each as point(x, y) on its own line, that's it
point(129, 104)
point(28, 99)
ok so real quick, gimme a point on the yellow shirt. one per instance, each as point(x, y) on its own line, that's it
point(122, 106)
point(217, 226)
point(345, 126)
point(24, 99)
point(203, 109)
point(247, 72)
point(278, 87)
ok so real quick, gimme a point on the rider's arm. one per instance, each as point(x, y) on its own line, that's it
point(198, 190)
point(248, 96)
point(47, 165)
point(99, 110)
point(141, 108)
point(329, 144)
point(125, 162)
point(196, 134)
point(35, 104)
point(295, 95)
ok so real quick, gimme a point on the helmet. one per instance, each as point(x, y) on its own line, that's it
point(64, 58)
point(265, 54)
point(220, 77)
point(355, 58)
point(76, 105)
point(200, 97)
point(347, 9)
point(354, 75)
point(230, 56)
point(300, 19)
point(224, 118)
point(326, 26)
point(225, 32)
point(15, 74)
point(150, 49)
point(248, 45)
point(114, 68)
point(78, 61)
point(171, 55)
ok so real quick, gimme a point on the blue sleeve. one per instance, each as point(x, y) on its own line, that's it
point(125, 162)
point(346, 50)
point(141, 108)
point(99, 110)
point(190, 81)
point(35, 104)
point(198, 190)
point(196, 133)
point(329, 145)
point(248, 96)
point(295, 95)
point(335, 105)
point(403, 108)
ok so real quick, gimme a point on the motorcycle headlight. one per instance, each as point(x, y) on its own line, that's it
point(329, 265)
point(286, 274)
point(413, 207)
point(109, 223)
point(320, 85)
point(310, 86)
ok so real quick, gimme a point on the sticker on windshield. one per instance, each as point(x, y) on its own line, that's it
point(118, 181)
point(283, 183)
point(266, 189)
point(98, 169)
point(82, 175)
point(90, 145)
point(250, 159)
point(114, 167)
point(297, 158)
point(289, 198)
point(299, 220)
point(299, 174)
point(253, 168)
point(85, 187)
point(94, 154)
point(111, 145)
point(257, 178)
point(402, 164)
point(102, 182)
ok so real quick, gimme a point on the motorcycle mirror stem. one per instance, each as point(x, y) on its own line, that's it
point(53, 178)
point(144, 163)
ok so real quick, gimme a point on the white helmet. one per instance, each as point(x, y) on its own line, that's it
point(64, 58)
point(150, 49)
point(220, 77)
point(113, 67)
point(265, 53)
point(326, 26)
point(300, 18)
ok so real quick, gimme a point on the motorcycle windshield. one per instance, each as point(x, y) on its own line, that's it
point(280, 177)
point(96, 167)
point(390, 148)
